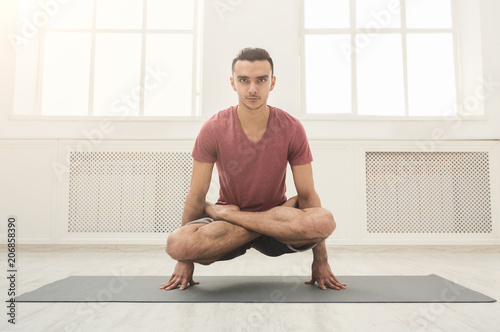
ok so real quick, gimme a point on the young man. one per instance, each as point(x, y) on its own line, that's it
point(251, 144)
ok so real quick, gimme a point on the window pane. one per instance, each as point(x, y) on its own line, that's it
point(327, 74)
point(378, 14)
point(119, 14)
point(66, 65)
point(428, 14)
point(117, 74)
point(170, 14)
point(380, 76)
point(169, 78)
point(75, 14)
point(324, 14)
point(431, 74)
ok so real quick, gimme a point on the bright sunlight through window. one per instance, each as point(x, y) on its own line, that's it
point(121, 58)
point(379, 57)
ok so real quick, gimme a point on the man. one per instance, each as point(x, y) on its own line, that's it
point(251, 144)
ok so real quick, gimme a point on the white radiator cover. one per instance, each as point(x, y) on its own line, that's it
point(124, 192)
point(127, 192)
point(428, 192)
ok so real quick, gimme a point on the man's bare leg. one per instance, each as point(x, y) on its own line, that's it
point(204, 244)
point(291, 226)
point(207, 243)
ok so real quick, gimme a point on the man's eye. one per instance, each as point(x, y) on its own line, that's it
point(262, 80)
point(243, 80)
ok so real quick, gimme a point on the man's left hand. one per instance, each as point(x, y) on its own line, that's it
point(323, 275)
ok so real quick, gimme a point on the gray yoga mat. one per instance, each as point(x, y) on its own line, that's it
point(268, 289)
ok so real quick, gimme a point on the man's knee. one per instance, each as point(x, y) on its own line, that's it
point(319, 223)
point(189, 242)
point(179, 245)
point(179, 250)
point(173, 246)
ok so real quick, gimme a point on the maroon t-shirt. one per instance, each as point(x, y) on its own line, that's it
point(252, 176)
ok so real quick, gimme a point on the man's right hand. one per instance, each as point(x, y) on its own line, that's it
point(182, 276)
point(217, 211)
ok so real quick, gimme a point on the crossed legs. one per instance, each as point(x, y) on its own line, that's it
point(207, 243)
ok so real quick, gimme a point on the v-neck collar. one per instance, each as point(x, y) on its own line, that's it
point(238, 124)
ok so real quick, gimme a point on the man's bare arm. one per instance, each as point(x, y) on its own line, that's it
point(304, 183)
point(308, 198)
point(195, 199)
point(193, 209)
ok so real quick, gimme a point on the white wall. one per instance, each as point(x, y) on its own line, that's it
point(28, 148)
point(271, 25)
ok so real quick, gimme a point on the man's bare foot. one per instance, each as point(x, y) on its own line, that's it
point(292, 202)
point(217, 211)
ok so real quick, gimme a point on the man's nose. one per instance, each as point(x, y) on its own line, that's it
point(253, 88)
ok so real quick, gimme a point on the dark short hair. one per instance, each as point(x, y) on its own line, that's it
point(253, 54)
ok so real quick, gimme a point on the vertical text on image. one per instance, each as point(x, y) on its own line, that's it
point(11, 268)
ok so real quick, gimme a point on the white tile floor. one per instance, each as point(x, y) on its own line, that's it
point(474, 267)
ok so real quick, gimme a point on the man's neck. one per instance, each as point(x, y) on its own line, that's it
point(251, 118)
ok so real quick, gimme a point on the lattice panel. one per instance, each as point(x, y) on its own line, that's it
point(127, 192)
point(428, 192)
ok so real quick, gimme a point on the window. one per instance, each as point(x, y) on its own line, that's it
point(380, 58)
point(126, 58)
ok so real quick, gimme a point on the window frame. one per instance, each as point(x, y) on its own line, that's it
point(195, 32)
point(353, 31)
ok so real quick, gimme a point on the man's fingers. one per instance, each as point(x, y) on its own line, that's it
point(311, 282)
point(338, 283)
point(176, 282)
point(186, 284)
point(183, 285)
point(321, 283)
point(332, 285)
point(171, 284)
point(166, 285)
point(327, 283)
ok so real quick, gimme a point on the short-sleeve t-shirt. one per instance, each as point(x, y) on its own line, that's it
point(252, 176)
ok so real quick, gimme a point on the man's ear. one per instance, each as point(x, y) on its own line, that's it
point(232, 83)
point(273, 82)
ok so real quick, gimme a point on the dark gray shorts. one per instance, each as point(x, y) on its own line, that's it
point(265, 244)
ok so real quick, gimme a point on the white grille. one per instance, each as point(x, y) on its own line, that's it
point(428, 192)
point(139, 192)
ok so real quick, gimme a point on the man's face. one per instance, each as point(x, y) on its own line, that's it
point(253, 82)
